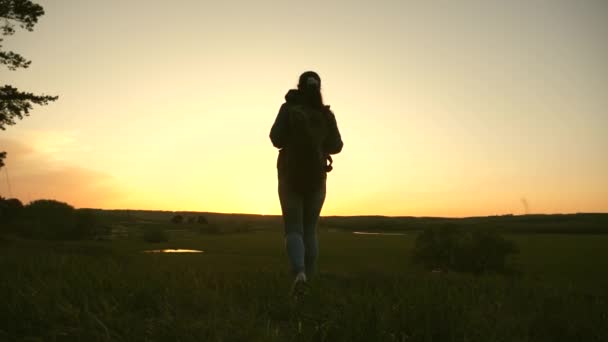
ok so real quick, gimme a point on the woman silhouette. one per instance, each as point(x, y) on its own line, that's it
point(306, 133)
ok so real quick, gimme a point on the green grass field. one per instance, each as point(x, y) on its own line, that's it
point(238, 290)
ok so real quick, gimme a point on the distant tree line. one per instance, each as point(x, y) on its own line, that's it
point(178, 219)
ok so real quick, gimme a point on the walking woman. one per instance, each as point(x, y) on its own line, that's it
point(306, 133)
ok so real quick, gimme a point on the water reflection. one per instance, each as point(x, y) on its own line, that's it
point(376, 233)
point(173, 251)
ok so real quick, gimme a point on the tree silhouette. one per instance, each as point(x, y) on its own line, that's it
point(15, 104)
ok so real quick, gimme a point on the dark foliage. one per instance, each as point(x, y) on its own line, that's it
point(16, 104)
point(177, 219)
point(156, 235)
point(202, 220)
point(23, 12)
point(89, 225)
point(50, 219)
point(10, 209)
point(449, 247)
point(47, 219)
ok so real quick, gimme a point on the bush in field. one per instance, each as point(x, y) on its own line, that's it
point(50, 219)
point(450, 247)
point(10, 209)
point(202, 220)
point(177, 219)
point(88, 224)
point(156, 235)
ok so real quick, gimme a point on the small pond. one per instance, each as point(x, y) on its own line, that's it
point(173, 251)
point(378, 233)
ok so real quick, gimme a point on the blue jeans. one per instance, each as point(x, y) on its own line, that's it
point(300, 216)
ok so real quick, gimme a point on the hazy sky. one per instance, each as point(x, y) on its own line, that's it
point(446, 108)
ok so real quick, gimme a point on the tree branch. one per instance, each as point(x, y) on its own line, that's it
point(24, 12)
point(13, 60)
point(17, 104)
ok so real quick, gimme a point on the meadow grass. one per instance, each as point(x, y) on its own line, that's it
point(238, 290)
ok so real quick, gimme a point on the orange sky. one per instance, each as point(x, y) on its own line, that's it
point(446, 109)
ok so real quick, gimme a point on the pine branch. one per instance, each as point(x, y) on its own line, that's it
point(13, 60)
point(24, 12)
point(15, 104)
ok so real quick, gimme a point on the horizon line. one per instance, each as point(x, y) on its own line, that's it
point(359, 215)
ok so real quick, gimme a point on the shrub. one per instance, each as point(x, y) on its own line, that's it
point(177, 219)
point(202, 220)
point(156, 235)
point(88, 224)
point(10, 209)
point(450, 247)
point(50, 219)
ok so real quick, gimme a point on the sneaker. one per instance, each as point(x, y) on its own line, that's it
point(299, 285)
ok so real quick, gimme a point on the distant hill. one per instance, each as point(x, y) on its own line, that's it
point(589, 223)
point(581, 223)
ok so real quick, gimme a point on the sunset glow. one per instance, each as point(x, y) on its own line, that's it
point(452, 109)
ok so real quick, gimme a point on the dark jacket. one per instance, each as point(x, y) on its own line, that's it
point(321, 124)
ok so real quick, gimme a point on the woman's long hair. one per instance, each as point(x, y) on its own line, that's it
point(309, 86)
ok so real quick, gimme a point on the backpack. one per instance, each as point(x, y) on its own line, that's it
point(306, 161)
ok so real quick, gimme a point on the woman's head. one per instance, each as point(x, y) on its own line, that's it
point(309, 85)
point(309, 79)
